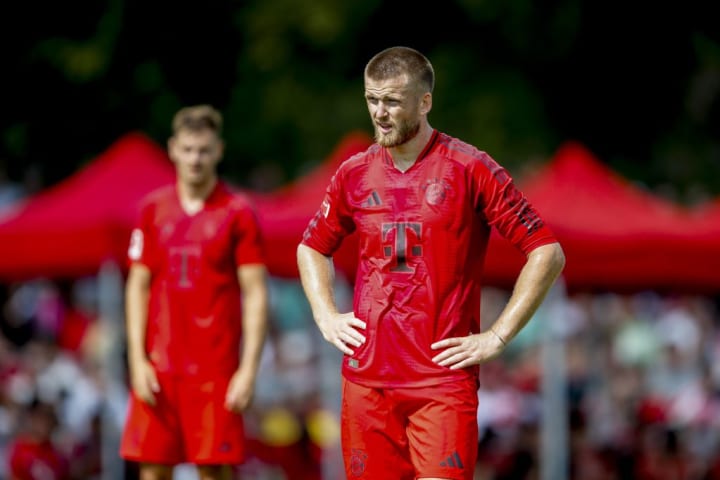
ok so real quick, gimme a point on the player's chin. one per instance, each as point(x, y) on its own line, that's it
point(383, 136)
point(384, 141)
point(197, 179)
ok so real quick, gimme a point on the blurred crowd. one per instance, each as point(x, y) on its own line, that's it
point(53, 386)
point(641, 385)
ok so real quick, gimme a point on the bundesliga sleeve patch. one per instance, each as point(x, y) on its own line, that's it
point(325, 207)
point(136, 244)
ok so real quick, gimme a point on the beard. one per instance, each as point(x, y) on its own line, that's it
point(403, 133)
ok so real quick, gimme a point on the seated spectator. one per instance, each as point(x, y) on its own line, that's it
point(33, 454)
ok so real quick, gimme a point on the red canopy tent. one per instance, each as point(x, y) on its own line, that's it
point(70, 229)
point(285, 213)
point(616, 236)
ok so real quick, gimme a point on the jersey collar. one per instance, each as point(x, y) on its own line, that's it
point(424, 153)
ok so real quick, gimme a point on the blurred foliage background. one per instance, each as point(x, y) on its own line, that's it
point(637, 83)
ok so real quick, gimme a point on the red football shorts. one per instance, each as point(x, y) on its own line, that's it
point(188, 424)
point(408, 433)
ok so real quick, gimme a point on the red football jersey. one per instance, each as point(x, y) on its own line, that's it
point(422, 238)
point(194, 313)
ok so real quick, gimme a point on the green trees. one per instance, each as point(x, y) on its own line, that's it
point(515, 78)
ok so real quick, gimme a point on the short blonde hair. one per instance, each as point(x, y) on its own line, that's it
point(197, 117)
point(397, 61)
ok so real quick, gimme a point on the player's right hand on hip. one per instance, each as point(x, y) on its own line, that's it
point(342, 330)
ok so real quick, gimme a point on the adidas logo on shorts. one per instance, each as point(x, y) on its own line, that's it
point(453, 461)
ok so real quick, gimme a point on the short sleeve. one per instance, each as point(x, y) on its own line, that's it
point(333, 220)
point(249, 246)
point(141, 247)
point(506, 208)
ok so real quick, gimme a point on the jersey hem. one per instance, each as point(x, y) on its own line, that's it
point(431, 382)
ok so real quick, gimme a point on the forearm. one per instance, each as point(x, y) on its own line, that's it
point(542, 268)
point(254, 315)
point(317, 276)
point(136, 303)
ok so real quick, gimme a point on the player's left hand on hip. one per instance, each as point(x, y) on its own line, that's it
point(462, 352)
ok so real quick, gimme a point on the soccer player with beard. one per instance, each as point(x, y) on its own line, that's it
point(423, 204)
point(196, 307)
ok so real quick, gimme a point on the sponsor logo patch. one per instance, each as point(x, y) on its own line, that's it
point(136, 244)
point(357, 461)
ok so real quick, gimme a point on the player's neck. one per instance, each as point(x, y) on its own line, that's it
point(404, 156)
point(192, 196)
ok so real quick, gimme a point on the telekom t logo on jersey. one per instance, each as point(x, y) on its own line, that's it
point(398, 239)
point(184, 265)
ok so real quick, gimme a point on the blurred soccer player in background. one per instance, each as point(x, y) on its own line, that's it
point(423, 204)
point(196, 306)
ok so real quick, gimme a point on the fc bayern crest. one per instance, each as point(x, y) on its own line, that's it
point(357, 461)
point(435, 191)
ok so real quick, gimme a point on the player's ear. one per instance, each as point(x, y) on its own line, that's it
point(426, 103)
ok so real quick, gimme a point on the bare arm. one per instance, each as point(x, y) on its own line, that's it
point(317, 275)
point(542, 268)
point(253, 285)
point(137, 293)
point(540, 271)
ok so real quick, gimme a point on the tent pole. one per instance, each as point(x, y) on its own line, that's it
point(554, 448)
point(110, 296)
